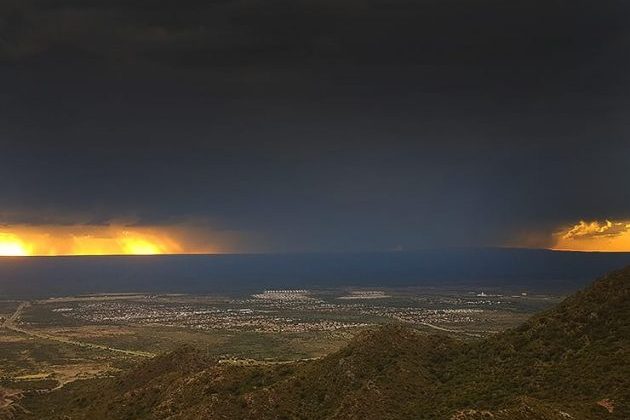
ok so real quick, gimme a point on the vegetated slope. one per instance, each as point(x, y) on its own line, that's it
point(572, 356)
point(569, 362)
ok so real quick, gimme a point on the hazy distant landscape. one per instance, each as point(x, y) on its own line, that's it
point(536, 270)
point(92, 334)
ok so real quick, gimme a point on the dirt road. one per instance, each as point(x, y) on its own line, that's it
point(11, 324)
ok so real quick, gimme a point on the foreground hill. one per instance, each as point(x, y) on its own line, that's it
point(569, 362)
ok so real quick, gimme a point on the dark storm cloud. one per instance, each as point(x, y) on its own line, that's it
point(319, 124)
point(233, 32)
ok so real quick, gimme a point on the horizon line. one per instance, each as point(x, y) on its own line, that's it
point(279, 253)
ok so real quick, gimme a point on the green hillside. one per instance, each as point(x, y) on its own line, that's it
point(570, 362)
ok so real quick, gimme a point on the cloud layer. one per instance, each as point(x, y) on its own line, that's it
point(595, 236)
point(289, 125)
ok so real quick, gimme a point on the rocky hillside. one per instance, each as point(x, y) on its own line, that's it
point(570, 362)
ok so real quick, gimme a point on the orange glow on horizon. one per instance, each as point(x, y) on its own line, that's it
point(93, 240)
point(594, 236)
point(11, 245)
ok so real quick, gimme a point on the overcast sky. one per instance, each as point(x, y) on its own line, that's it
point(317, 124)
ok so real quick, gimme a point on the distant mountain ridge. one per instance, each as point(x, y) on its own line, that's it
point(531, 269)
point(570, 362)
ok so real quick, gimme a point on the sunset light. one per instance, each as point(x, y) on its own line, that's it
point(11, 246)
point(141, 247)
point(88, 240)
point(603, 236)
